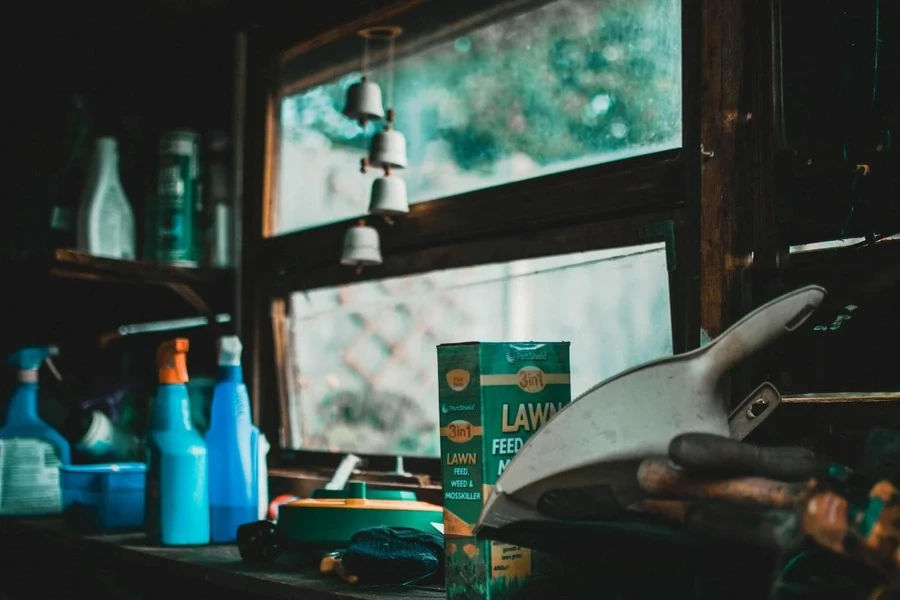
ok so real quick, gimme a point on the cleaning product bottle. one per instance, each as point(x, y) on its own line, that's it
point(262, 474)
point(219, 233)
point(105, 219)
point(101, 439)
point(177, 484)
point(233, 444)
point(30, 450)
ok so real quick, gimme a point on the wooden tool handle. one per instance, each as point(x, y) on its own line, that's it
point(705, 453)
point(769, 528)
point(332, 564)
point(869, 532)
point(657, 477)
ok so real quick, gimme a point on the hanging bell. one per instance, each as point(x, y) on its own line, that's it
point(388, 149)
point(364, 102)
point(361, 246)
point(389, 196)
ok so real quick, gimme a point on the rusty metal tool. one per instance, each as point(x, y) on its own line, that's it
point(756, 408)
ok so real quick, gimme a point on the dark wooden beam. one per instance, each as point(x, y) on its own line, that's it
point(602, 193)
point(502, 247)
point(761, 124)
point(256, 328)
point(722, 65)
point(685, 282)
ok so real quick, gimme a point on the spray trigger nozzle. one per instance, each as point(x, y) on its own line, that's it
point(230, 350)
point(53, 369)
point(171, 358)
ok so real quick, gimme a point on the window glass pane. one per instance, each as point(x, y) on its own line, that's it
point(829, 245)
point(363, 358)
point(832, 244)
point(571, 84)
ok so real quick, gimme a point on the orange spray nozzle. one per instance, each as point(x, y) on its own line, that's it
point(171, 357)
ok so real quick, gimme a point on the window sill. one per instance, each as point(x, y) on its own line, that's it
point(122, 566)
point(846, 398)
point(835, 424)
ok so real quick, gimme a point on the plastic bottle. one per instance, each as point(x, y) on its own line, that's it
point(100, 438)
point(233, 444)
point(177, 482)
point(219, 233)
point(30, 450)
point(105, 219)
point(262, 475)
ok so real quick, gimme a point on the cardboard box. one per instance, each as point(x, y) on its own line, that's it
point(493, 397)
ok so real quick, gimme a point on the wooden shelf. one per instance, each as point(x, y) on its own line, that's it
point(78, 265)
point(72, 264)
point(110, 292)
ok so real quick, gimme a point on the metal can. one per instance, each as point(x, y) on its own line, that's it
point(176, 189)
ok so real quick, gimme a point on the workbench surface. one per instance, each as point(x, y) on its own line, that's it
point(47, 558)
point(44, 559)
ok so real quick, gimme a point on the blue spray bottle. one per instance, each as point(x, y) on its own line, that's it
point(233, 444)
point(30, 450)
point(177, 485)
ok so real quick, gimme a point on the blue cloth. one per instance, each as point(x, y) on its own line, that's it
point(394, 555)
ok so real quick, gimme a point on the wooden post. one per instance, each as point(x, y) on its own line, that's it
point(722, 64)
point(738, 226)
point(256, 304)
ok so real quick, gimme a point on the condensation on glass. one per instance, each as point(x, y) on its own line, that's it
point(572, 84)
point(363, 360)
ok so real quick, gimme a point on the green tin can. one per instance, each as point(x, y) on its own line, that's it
point(177, 186)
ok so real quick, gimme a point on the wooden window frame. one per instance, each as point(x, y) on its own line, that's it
point(553, 214)
point(744, 258)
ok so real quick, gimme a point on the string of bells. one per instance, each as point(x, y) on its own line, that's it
point(387, 151)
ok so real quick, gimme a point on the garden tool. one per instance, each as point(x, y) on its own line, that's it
point(763, 502)
point(582, 464)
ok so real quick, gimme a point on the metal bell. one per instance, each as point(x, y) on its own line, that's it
point(388, 149)
point(389, 196)
point(364, 102)
point(362, 247)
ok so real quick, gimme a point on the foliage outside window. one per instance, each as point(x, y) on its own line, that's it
point(362, 358)
point(571, 84)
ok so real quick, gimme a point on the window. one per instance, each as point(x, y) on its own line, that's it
point(363, 358)
point(537, 133)
point(829, 245)
point(571, 84)
point(833, 244)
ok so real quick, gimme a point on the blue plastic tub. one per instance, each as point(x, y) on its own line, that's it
point(104, 498)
